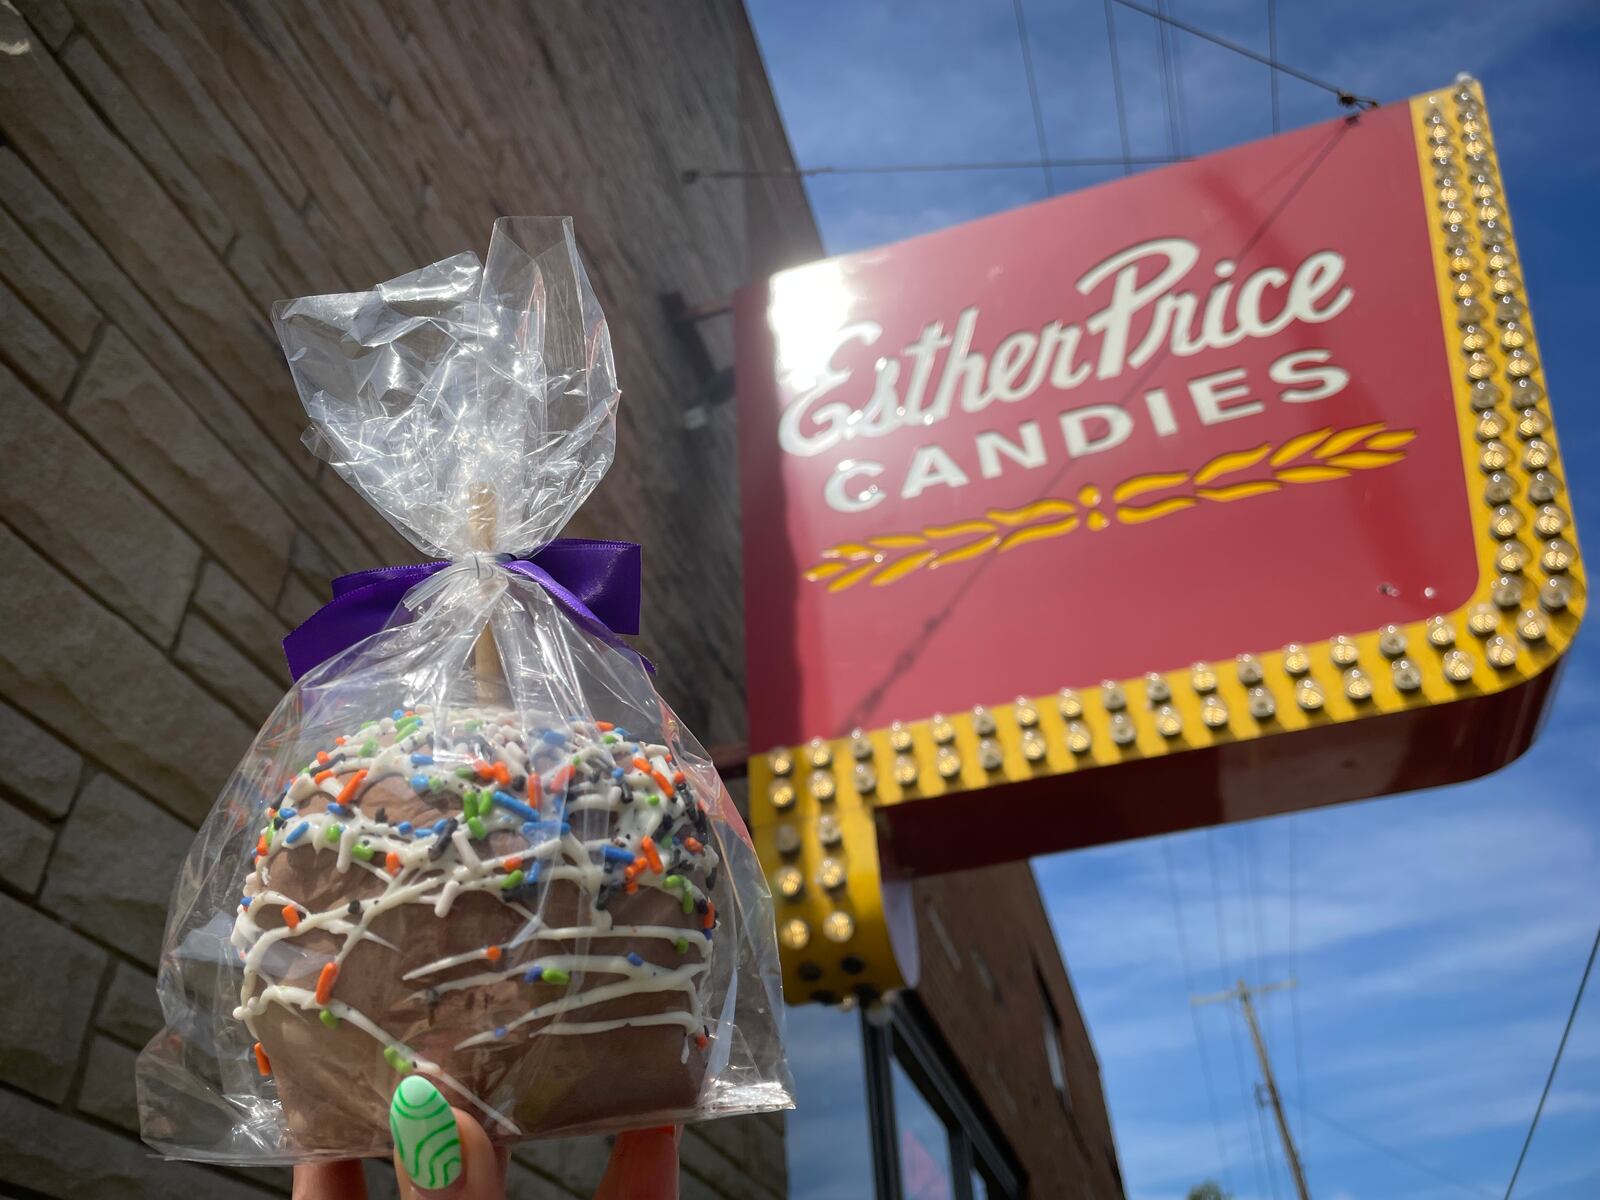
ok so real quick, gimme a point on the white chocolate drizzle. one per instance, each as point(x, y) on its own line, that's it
point(496, 780)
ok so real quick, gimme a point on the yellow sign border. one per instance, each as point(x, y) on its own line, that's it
point(812, 806)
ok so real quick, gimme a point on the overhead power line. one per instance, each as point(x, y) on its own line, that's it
point(1259, 1161)
point(1346, 97)
point(1116, 84)
point(1272, 52)
point(1033, 97)
point(1294, 999)
point(1538, 1111)
point(694, 174)
point(1169, 102)
point(1397, 1155)
point(1194, 1015)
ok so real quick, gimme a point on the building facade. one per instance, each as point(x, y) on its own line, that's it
point(169, 169)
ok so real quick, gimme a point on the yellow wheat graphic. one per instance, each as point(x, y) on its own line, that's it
point(1314, 457)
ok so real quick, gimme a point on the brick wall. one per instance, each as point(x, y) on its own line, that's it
point(168, 169)
point(989, 960)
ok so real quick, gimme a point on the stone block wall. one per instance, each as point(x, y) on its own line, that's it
point(168, 168)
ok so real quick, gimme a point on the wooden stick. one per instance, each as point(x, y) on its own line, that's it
point(482, 515)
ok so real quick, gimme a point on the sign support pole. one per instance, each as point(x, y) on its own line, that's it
point(1242, 993)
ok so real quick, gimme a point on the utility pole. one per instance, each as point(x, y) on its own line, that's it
point(1242, 993)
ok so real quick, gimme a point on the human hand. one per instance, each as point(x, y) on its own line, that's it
point(442, 1153)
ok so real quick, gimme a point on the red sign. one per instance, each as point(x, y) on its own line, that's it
point(1238, 477)
point(1016, 382)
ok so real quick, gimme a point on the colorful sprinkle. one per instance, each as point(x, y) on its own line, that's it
point(651, 854)
point(681, 945)
point(692, 845)
point(555, 975)
point(322, 777)
point(338, 809)
point(422, 760)
point(492, 953)
point(405, 828)
point(291, 916)
point(396, 1060)
point(363, 851)
point(327, 1018)
point(391, 863)
point(499, 1031)
point(325, 982)
point(333, 832)
point(295, 834)
point(262, 1064)
point(511, 804)
point(351, 785)
point(511, 881)
point(636, 958)
point(701, 1040)
point(419, 783)
point(533, 974)
point(475, 827)
point(244, 902)
point(616, 854)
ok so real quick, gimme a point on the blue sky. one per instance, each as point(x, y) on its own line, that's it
point(1437, 937)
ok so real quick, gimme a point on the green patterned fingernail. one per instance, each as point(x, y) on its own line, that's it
point(425, 1137)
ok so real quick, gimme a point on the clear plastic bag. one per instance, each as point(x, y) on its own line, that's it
point(475, 844)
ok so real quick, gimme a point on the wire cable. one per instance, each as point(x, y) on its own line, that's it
point(1116, 87)
point(1347, 98)
point(695, 174)
point(1164, 58)
point(1252, 877)
point(1551, 1078)
point(1398, 1155)
point(1194, 1015)
point(1033, 97)
point(1272, 53)
point(1294, 995)
point(1180, 113)
point(1258, 1155)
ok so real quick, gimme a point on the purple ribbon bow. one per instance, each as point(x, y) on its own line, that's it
point(596, 583)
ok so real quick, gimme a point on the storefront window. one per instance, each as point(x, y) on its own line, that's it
point(829, 1139)
point(924, 1143)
